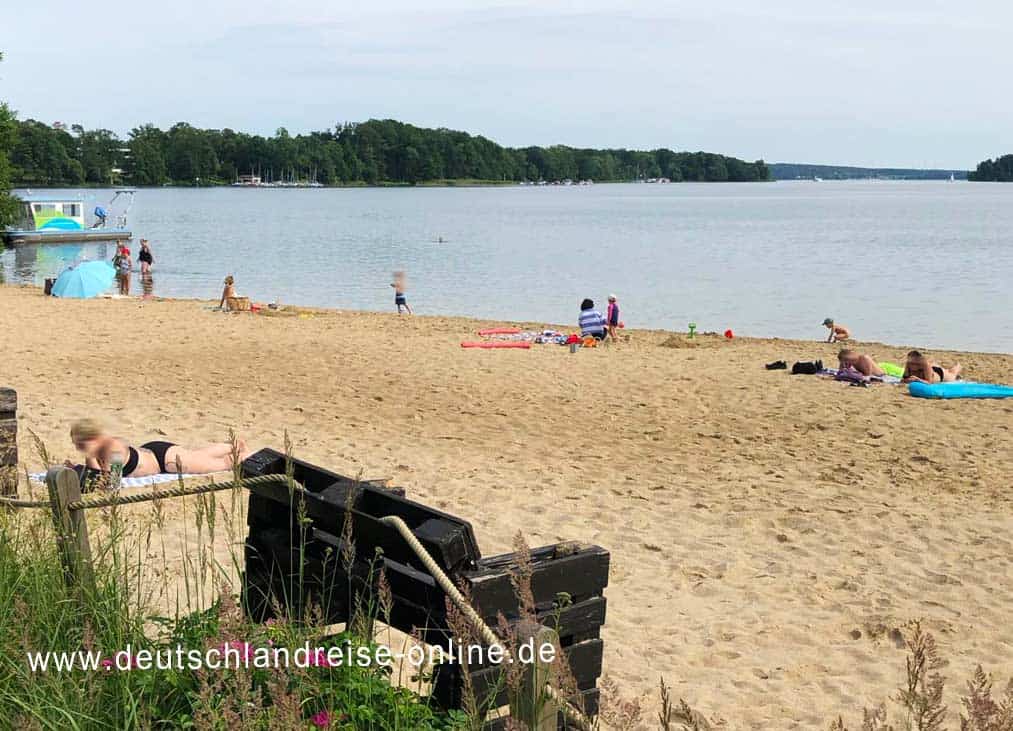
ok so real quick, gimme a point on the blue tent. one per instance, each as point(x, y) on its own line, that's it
point(85, 280)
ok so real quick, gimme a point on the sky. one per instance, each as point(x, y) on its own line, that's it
point(887, 83)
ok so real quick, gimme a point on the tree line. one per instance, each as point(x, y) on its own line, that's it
point(8, 130)
point(999, 170)
point(372, 152)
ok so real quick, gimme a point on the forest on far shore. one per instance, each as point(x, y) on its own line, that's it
point(999, 170)
point(374, 152)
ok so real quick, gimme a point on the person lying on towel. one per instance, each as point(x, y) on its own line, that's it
point(151, 458)
point(920, 368)
point(860, 362)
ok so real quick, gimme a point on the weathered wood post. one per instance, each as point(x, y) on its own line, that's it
point(71, 528)
point(532, 706)
point(8, 441)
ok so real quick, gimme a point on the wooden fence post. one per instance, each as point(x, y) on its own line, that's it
point(71, 528)
point(532, 706)
point(8, 441)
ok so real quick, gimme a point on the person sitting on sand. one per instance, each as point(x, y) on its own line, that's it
point(837, 332)
point(860, 362)
point(229, 292)
point(921, 369)
point(151, 458)
point(591, 321)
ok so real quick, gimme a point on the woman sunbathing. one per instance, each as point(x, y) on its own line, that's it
point(150, 458)
point(920, 368)
point(860, 362)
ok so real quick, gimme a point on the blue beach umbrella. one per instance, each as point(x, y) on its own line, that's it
point(85, 280)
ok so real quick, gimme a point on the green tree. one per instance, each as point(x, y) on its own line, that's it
point(43, 155)
point(8, 135)
point(145, 164)
point(190, 156)
point(98, 151)
point(999, 170)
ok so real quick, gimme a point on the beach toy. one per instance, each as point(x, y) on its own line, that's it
point(960, 389)
point(574, 346)
point(892, 369)
point(489, 345)
point(729, 334)
point(692, 329)
point(622, 325)
point(85, 280)
point(500, 331)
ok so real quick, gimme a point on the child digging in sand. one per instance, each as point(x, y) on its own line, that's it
point(837, 332)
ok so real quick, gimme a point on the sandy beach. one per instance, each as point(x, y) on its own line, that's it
point(772, 535)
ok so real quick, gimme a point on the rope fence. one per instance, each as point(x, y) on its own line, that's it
point(575, 715)
point(67, 507)
point(178, 491)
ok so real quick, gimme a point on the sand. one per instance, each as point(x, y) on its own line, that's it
point(772, 536)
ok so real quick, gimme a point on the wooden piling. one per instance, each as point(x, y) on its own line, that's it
point(8, 441)
point(532, 705)
point(71, 528)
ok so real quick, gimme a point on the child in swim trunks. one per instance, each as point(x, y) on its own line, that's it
point(837, 332)
point(400, 300)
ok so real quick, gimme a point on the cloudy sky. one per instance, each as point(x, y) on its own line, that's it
point(891, 82)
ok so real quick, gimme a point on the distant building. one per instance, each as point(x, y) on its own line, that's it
point(249, 180)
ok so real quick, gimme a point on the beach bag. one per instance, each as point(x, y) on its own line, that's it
point(807, 368)
point(237, 304)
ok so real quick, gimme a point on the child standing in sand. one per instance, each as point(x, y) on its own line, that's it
point(837, 332)
point(612, 316)
point(400, 299)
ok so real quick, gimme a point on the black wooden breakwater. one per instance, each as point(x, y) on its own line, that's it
point(296, 557)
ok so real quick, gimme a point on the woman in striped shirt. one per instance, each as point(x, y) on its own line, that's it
point(591, 321)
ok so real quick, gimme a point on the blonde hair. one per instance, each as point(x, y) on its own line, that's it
point(85, 430)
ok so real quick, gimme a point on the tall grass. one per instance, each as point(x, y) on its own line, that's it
point(39, 613)
point(133, 606)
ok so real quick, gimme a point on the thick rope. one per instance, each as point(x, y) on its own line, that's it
point(177, 491)
point(488, 636)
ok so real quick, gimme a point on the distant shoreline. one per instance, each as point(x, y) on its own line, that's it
point(449, 183)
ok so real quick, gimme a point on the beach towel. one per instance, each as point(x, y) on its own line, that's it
point(892, 369)
point(851, 375)
point(137, 481)
point(493, 344)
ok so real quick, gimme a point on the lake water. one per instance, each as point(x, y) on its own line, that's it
point(924, 263)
